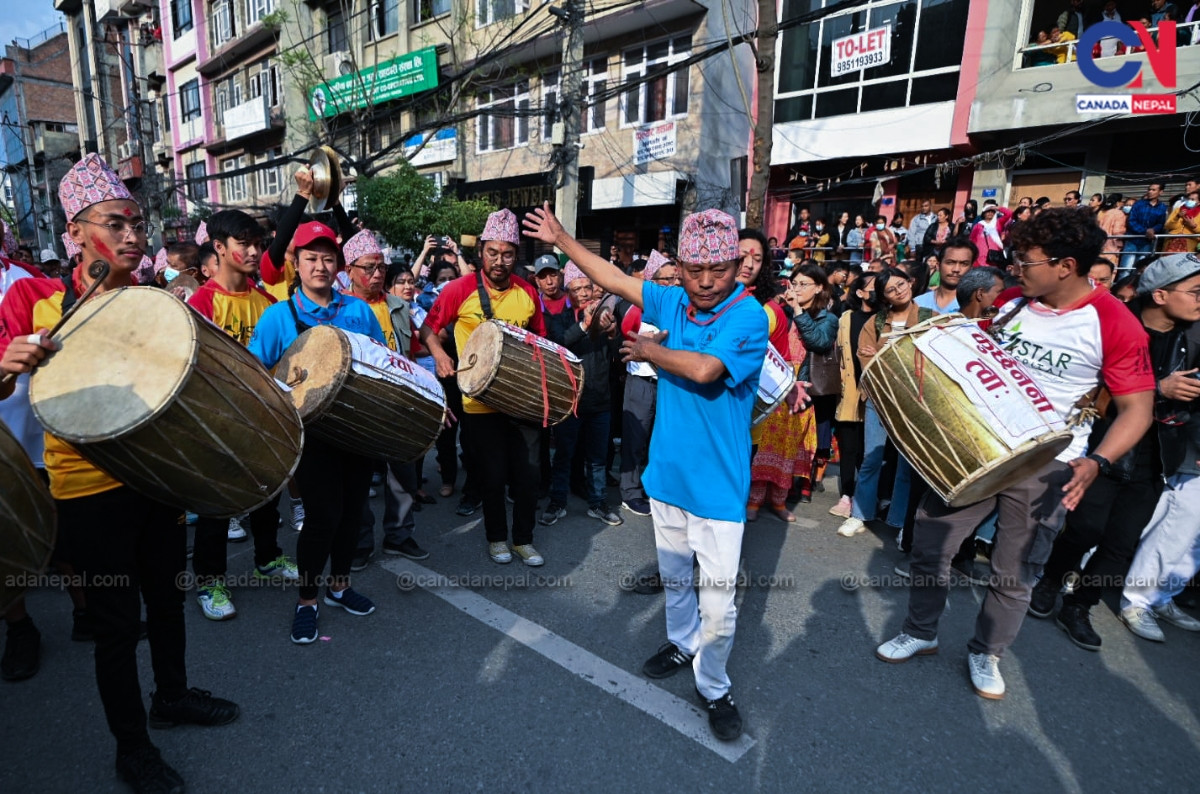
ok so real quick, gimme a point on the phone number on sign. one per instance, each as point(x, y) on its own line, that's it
point(858, 62)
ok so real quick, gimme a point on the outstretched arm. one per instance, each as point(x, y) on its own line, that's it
point(542, 225)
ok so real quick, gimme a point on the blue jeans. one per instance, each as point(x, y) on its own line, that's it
point(1133, 251)
point(900, 490)
point(866, 488)
point(592, 428)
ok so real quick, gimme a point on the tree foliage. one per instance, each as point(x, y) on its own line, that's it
point(405, 206)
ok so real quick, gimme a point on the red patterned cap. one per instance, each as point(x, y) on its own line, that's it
point(69, 244)
point(8, 245)
point(202, 233)
point(90, 181)
point(572, 272)
point(501, 227)
point(707, 238)
point(655, 261)
point(160, 261)
point(361, 245)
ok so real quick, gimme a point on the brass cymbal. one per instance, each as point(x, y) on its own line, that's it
point(326, 169)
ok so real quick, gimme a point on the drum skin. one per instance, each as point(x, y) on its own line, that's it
point(27, 521)
point(941, 433)
point(154, 394)
point(355, 412)
point(505, 373)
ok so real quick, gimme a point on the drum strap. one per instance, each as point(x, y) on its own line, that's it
point(301, 326)
point(69, 296)
point(539, 357)
point(485, 300)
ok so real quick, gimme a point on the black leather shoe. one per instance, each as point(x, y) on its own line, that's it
point(197, 707)
point(723, 717)
point(1077, 623)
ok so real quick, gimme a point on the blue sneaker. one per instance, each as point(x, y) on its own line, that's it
point(304, 624)
point(352, 602)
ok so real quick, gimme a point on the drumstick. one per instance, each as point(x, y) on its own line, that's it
point(97, 271)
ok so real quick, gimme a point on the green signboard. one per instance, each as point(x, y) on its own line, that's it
point(399, 77)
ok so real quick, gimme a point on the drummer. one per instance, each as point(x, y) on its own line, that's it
point(364, 261)
point(708, 356)
point(234, 303)
point(111, 532)
point(1072, 337)
point(504, 450)
point(334, 483)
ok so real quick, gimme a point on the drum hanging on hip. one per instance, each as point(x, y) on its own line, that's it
point(967, 416)
point(775, 382)
point(361, 397)
point(27, 523)
point(519, 373)
point(163, 400)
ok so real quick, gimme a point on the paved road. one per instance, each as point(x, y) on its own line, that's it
point(514, 685)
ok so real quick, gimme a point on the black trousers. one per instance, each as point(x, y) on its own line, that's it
point(212, 538)
point(1111, 516)
point(850, 452)
point(335, 485)
point(504, 452)
point(130, 549)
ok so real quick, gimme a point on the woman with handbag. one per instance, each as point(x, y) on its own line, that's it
point(851, 410)
point(809, 298)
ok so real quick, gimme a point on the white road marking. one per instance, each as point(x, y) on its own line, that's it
point(668, 709)
point(465, 528)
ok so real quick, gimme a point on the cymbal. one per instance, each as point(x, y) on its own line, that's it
point(326, 169)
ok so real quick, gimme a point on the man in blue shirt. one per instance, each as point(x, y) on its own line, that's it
point(956, 258)
point(708, 353)
point(1147, 218)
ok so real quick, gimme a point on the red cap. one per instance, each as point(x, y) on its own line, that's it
point(310, 232)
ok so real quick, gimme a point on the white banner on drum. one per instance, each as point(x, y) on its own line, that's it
point(378, 361)
point(776, 378)
point(995, 382)
point(545, 344)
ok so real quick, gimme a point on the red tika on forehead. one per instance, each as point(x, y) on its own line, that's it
point(128, 212)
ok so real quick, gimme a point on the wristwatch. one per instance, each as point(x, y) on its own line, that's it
point(1103, 462)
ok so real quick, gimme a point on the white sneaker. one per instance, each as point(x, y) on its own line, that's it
point(214, 602)
point(298, 515)
point(237, 532)
point(842, 508)
point(903, 647)
point(985, 675)
point(1171, 613)
point(851, 527)
point(1142, 622)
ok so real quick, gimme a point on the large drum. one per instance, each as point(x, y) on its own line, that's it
point(151, 392)
point(775, 382)
point(26, 521)
point(361, 397)
point(967, 416)
point(520, 373)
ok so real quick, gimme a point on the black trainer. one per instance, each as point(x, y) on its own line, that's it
point(22, 651)
point(406, 548)
point(1043, 599)
point(723, 717)
point(81, 626)
point(147, 773)
point(197, 707)
point(1077, 623)
point(666, 662)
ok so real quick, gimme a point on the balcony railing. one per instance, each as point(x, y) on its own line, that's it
point(1052, 53)
point(247, 118)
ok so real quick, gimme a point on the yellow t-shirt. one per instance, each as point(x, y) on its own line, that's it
point(384, 316)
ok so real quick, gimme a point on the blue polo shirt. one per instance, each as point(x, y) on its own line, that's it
point(276, 329)
point(700, 447)
point(928, 300)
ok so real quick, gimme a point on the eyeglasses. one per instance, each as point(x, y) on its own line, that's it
point(1021, 263)
point(896, 290)
point(370, 269)
point(1195, 293)
point(804, 283)
point(120, 229)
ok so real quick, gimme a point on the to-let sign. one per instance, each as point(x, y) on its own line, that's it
point(861, 50)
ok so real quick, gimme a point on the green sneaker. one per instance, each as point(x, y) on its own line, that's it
point(214, 602)
point(281, 567)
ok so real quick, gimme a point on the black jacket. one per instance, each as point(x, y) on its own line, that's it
point(597, 354)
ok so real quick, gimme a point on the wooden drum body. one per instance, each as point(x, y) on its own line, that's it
point(359, 396)
point(775, 382)
point(520, 374)
point(27, 524)
point(151, 392)
point(967, 416)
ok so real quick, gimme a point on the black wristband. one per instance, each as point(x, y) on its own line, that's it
point(1104, 463)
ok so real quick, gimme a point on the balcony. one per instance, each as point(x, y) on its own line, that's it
point(249, 38)
point(191, 132)
point(68, 6)
point(247, 119)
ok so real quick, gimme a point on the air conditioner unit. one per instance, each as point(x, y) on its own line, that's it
point(125, 150)
point(338, 64)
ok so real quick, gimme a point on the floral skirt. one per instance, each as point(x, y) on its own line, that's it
point(787, 443)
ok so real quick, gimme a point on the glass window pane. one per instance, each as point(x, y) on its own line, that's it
point(903, 19)
point(633, 57)
point(632, 109)
point(837, 103)
point(798, 51)
point(656, 98)
point(657, 52)
point(884, 95)
point(943, 28)
point(680, 105)
point(833, 29)
point(798, 108)
point(937, 88)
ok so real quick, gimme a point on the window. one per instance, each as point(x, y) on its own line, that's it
point(181, 15)
point(257, 9)
point(926, 50)
point(222, 21)
point(233, 187)
point(425, 10)
point(550, 92)
point(653, 93)
point(489, 11)
point(265, 80)
point(385, 18)
point(595, 80)
point(269, 179)
point(197, 186)
point(189, 100)
point(335, 29)
point(166, 115)
point(221, 103)
point(501, 127)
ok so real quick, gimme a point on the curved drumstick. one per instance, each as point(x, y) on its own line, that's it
point(97, 271)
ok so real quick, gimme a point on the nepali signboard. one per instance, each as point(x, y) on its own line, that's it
point(653, 142)
point(400, 77)
point(864, 50)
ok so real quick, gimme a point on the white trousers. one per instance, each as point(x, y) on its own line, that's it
point(1168, 555)
point(702, 626)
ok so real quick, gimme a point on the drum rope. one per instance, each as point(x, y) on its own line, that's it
point(531, 340)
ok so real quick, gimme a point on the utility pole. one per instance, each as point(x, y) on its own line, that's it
point(566, 199)
point(768, 30)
